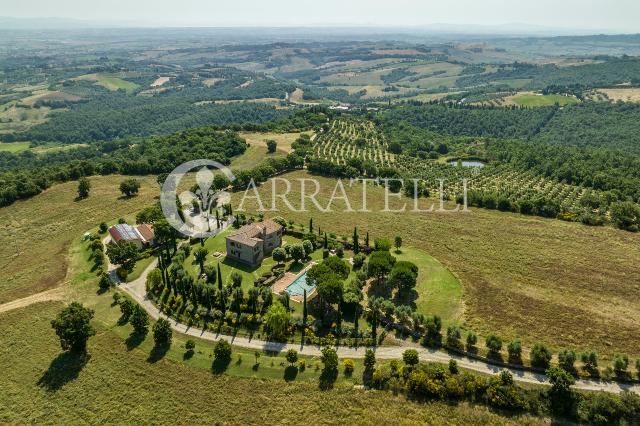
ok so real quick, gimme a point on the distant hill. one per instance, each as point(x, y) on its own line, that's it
point(8, 23)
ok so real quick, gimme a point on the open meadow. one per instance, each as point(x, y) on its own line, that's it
point(123, 385)
point(35, 234)
point(529, 99)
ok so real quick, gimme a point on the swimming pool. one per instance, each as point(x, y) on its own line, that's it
point(297, 287)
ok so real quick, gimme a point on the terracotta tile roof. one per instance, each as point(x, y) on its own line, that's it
point(251, 234)
point(146, 231)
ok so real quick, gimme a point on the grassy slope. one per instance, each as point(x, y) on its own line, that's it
point(35, 234)
point(121, 386)
point(256, 153)
point(110, 82)
point(532, 100)
point(538, 279)
point(14, 147)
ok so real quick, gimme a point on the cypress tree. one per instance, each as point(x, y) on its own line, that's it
point(366, 240)
point(326, 243)
point(219, 278)
point(356, 243)
point(356, 320)
point(311, 225)
point(304, 309)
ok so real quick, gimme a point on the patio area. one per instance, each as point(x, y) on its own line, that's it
point(288, 279)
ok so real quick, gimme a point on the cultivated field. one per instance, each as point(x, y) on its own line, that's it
point(538, 279)
point(35, 234)
point(121, 385)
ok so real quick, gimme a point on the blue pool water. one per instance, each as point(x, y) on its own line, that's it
point(297, 287)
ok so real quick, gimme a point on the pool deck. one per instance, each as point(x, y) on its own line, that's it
point(284, 282)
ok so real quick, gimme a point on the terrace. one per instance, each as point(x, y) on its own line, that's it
point(295, 285)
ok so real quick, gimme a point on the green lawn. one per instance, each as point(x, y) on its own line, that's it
point(542, 100)
point(439, 291)
point(141, 265)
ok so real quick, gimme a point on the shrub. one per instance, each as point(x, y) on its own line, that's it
point(369, 359)
point(222, 351)
point(600, 408)
point(126, 309)
point(308, 247)
point(190, 345)
point(140, 320)
point(103, 228)
point(382, 244)
point(453, 336)
point(410, 357)
point(292, 356)
point(421, 385)
point(540, 356)
point(349, 367)
point(329, 358)
point(515, 352)
point(502, 393)
point(472, 340)
point(105, 282)
point(358, 260)
point(590, 361)
point(567, 359)
point(494, 344)
point(162, 332)
point(325, 253)
point(453, 366)
point(620, 363)
point(506, 378)
point(122, 274)
point(340, 251)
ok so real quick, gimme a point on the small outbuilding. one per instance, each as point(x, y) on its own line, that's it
point(142, 235)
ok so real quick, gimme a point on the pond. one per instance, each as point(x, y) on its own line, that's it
point(468, 163)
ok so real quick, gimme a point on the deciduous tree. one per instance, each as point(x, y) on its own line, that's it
point(73, 327)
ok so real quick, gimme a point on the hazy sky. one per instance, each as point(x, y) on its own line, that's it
point(622, 15)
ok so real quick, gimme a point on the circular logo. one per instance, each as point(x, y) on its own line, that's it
point(198, 212)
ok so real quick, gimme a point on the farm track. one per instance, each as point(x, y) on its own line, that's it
point(55, 294)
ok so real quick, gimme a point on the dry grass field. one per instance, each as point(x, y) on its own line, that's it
point(121, 386)
point(284, 140)
point(628, 94)
point(35, 234)
point(543, 280)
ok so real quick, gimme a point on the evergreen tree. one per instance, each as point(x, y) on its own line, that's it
point(83, 187)
point(304, 309)
point(366, 240)
point(356, 243)
point(219, 278)
point(311, 225)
